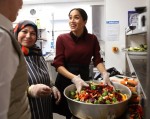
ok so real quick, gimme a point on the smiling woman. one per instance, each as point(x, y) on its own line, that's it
point(74, 51)
point(40, 86)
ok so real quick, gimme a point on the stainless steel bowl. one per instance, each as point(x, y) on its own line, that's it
point(97, 111)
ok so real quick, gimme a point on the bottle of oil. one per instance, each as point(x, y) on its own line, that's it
point(38, 23)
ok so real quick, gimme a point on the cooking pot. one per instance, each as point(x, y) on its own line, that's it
point(97, 111)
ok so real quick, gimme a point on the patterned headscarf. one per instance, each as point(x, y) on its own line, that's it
point(35, 50)
point(23, 24)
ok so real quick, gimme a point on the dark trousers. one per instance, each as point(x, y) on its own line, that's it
point(62, 82)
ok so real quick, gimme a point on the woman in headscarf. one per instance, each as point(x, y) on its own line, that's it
point(41, 88)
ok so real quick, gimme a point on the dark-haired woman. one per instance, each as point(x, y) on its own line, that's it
point(41, 88)
point(74, 52)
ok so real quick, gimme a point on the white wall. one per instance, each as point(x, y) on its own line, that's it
point(117, 10)
point(62, 1)
point(44, 13)
point(98, 20)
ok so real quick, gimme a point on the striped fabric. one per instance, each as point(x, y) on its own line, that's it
point(38, 73)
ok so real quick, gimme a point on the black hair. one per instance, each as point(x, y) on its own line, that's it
point(82, 13)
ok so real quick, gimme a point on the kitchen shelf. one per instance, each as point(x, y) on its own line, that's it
point(137, 53)
point(136, 32)
point(137, 57)
point(135, 39)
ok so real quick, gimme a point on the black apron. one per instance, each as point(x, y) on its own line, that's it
point(62, 82)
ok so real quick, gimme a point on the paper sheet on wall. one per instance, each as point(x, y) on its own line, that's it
point(112, 30)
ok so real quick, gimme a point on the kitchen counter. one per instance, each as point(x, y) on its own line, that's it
point(138, 68)
point(49, 58)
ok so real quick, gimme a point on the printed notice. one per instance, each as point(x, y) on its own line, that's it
point(112, 30)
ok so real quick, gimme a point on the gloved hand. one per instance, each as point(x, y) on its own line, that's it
point(79, 83)
point(39, 90)
point(105, 76)
point(56, 94)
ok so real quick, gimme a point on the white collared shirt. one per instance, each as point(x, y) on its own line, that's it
point(9, 62)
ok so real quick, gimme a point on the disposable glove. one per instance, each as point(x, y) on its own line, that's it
point(56, 94)
point(39, 90)
point(79, 83)
point(105, 76)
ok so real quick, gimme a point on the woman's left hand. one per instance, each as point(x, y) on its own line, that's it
point(56, 94)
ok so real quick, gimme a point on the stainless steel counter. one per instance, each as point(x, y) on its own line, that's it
point(138, 67)
point(141, 70)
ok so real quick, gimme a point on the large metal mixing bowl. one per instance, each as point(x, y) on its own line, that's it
point(97, 111)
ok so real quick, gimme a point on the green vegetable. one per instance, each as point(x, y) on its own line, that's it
point(145, 47)
point(114, 99)
point(77, 99)
point(117, 90)
point(140, 48)
point(87, 101)
point(107, 101)
point(104, 93)
point(96, 102)
point(100, 99)
point(93, 87)
point(72, 94)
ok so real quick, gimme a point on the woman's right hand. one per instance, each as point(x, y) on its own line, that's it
point(105, 76)
point(39, 90)
point(79, 83)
